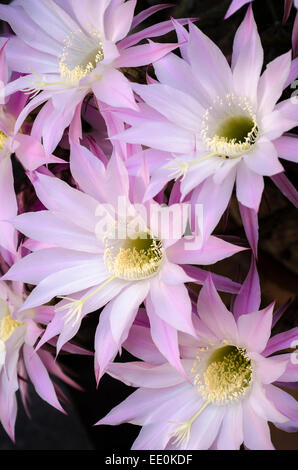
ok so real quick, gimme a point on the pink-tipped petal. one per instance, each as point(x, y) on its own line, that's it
point(249, 298)
point(255, 328)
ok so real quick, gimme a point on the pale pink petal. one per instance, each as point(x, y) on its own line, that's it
point(256, 431)
point(214, 199)
point(38, 61)
point(124, 309)
point(263, 159)
point(255, 328)
point(263, 407)
point(198, 173)
point(234, 6)
point(8, 206)
point(118, 20)
point(192, 252)
point(60, 117)
point(206, 60)
point(282, 119)
point(144, 14)
point(31, 153)
point(90, 13)
point(286, 187)
point(164, 337)
point(175, 72)
point(114, 89)
point(247, 68)
point(173, 274)
point(47, 227)
point(221, 283)
point(116, 171)
point(60, 198)
point(138, 56)
point(54, 368)
point(142, 374)
point(205, 428)
point(66, 282)
point(45, 13)
point(8, 404)
point(40, 377)
point(172, 305)
point(251, 226)
point(293, 73)
point(139, 343)
point(177, 106)
point(158, 29)
point(281, 341)
point(249, 187)
point(105, 346)
point(291, 372)
point(231, 432)
point(286, 404)
point(249, 298)
point(28, 30)
point(270, 369)
point(40, 264)
point(183, 38)
point(145, 405)
point(155, 135)
point(276, 72)
point(88, 171)
point(214, 314)
point(287, 148)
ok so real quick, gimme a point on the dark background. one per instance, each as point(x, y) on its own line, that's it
point(278, 266)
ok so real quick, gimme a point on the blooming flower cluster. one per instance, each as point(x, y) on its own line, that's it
point(129, 169)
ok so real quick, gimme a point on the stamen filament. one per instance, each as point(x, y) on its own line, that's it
point(184, 166)
point(182, 433)
point(75, 306)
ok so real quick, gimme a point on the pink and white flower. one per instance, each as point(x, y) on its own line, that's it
point(221, 124)
point(19, 362)
point(230, 392)
point(92, 271)
point(71, 48)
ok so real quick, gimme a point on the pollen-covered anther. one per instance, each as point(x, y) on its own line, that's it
point(226, 375)
point(80, 55)
point(133, 259)
point(8, 326)
point(229, 127)
point(3, 139)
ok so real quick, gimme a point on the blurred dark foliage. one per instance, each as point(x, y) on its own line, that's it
point(278, 253)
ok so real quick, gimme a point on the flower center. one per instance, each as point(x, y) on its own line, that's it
point(225, 375)
point(229, 127)
point(8, 326)
point(3, 139)
point(80, 55)
point(133, 259)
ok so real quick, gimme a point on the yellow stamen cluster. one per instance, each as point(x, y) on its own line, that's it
point(136, 259)
point(232, 107)
point(226, 377)
point(3, 139)
point(80, 71)
point(222, 375)
point(8, 326)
